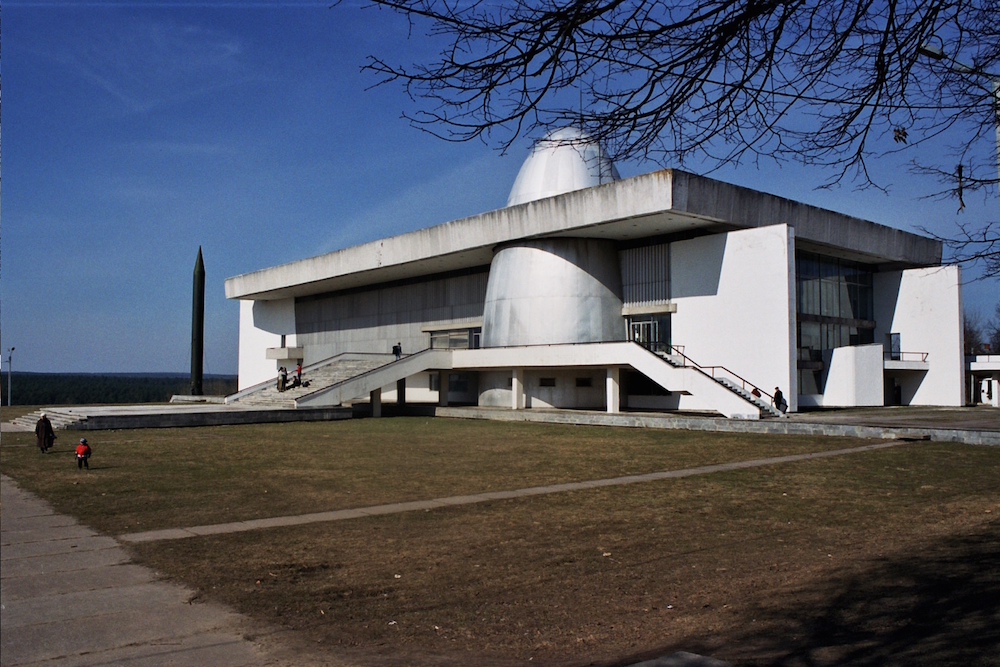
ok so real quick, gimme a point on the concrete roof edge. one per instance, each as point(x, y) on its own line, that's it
point(669, 190)
point(699, 195)
point(580, 209)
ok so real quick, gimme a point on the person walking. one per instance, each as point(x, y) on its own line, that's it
point(779, 401)
point(282, 378)
point(83, 455)
point(45, 434)
point(397, 350)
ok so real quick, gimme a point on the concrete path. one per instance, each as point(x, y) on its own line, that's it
point(417, 505)
point(69, 596)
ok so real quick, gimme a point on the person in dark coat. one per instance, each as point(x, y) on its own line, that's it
point(779, 401)
point(45, 434)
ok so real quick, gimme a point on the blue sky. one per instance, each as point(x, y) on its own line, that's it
point(135, 132)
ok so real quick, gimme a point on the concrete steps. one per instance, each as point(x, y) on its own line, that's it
point(315, 378)
point(60, 418)
point(766, 409)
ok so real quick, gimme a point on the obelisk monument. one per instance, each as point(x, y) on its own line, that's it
point(198, 326)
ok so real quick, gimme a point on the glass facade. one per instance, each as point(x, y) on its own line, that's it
point(455, 339)
point(834, 308)
point(650, 331)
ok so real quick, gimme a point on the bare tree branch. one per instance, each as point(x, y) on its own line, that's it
point(832, 83)
point(975, 244)
point(818, 81)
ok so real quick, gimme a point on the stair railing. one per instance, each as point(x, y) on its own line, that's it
point(711, 370)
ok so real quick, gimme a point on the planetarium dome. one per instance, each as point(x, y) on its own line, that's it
point(565, 160)
point(565, 290)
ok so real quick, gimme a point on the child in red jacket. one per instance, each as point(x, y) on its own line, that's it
point(82, 455)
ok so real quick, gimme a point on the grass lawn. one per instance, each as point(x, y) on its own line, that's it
point(886, 557)
point(164, 478)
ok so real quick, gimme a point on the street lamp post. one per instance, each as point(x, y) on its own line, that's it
point(935, 53)
point(10, 355)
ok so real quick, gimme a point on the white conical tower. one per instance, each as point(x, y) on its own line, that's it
point(556, 290)
point(567, 159)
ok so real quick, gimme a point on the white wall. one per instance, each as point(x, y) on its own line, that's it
point(495, 391)
point(854, 377)
point(924, 306)
point(262, 323)
point(735, 296)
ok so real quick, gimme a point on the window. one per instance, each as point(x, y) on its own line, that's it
point(546, 382)
point(458, 383)
point(831, 287)
point(834, 299)
point(650, 331)
point(585, 382)
point(456, 339)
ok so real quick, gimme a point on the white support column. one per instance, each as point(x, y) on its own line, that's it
point(376, 398)
point(443, 388)
point(613, 393)
point(517, 389)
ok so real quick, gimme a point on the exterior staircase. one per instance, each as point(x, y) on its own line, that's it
point(315, 378)
point(727, 379)
point(766, 409)
point(61, 418)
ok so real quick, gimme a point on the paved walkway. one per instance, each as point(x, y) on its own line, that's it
point(69, 596)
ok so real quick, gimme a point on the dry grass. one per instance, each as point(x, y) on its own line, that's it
point(160, 478)
point(889, 557)
point(621, 574)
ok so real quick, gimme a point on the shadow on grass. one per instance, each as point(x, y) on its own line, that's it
point(940, 606)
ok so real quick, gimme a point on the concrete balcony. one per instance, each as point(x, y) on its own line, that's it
point(285, 353)
point(906, 361)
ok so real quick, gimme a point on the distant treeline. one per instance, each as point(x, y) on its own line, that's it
point(86, 388)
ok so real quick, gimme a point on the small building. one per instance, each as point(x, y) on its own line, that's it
point(664, 291)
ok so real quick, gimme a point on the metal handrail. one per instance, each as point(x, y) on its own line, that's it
point(311, 367)
point(710, 371)
point(901, 356)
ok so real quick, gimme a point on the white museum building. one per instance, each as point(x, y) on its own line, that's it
point(661, 292)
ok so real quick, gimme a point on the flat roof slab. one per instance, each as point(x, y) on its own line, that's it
point(657, 204)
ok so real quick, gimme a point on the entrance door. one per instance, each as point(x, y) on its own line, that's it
point(644, 332)
point(652, 332)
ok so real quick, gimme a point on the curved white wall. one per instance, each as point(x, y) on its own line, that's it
point(564, 161)
point(554, 291)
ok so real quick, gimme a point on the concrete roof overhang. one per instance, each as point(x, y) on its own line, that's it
point(658, 204)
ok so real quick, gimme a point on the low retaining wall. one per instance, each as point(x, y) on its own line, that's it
point(209, 418)
point(772, 426)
